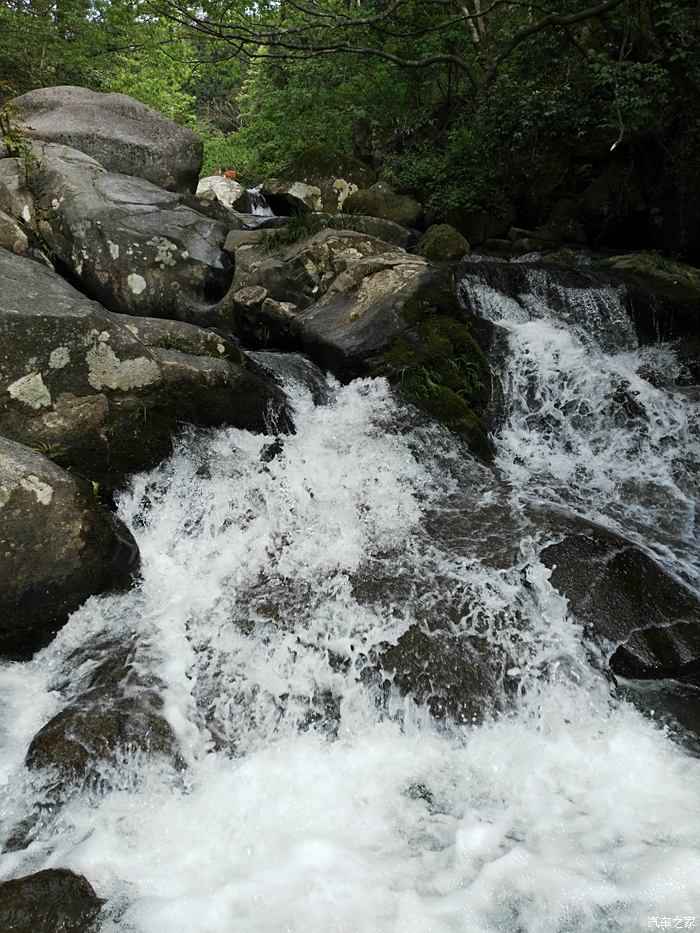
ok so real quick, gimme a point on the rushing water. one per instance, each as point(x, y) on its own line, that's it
point(312, 796)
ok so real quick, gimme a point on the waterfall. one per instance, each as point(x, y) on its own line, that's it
point(595, 424)
point(491, 783)
point(258, 204)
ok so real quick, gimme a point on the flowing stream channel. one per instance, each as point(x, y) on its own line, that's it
point(311, 792)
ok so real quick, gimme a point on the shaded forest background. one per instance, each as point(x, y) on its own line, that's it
point(544, 115)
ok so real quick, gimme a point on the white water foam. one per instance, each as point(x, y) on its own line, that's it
point(309, 804)
point(594, 424)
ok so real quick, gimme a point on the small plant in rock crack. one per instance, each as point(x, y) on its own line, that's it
point(47, 448)
point(469, 372)
point(16, 145)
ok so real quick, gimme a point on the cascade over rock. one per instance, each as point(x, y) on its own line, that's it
point(359, 306)
point(113, 710)
point(122, 134)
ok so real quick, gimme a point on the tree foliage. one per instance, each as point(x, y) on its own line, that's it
point(503, 106)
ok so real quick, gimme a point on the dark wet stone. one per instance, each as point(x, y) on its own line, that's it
point(57, 547)
point(456, 676)
point(50, 901)
point(649, 620)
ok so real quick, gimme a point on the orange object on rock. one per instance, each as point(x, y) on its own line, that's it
point(231, 174)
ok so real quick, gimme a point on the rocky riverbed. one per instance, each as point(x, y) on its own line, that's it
point(338, 562)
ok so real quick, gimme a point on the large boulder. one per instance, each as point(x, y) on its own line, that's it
point(51, 901)
point(442, 243)
point(57, 547)
point(320, 179)
point(131, 245)
point(383, 313)
point(648, 622)
point(399, 208)
point(385, 230)
point(300, 272)
point(103, 394)
point(122, 134)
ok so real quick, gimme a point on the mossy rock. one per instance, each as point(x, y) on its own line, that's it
point(319, 163)
point(563, 258)
point(398, 208)
point(440, 366)
point(664, 295)
point(656, 267)
point(443, 243)
point(320, 179)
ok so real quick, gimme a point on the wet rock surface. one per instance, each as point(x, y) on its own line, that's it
point(647, 621)
point(454, 676)
point(51, 901)
point(118, 712)
point(121, 133)
point(57, 547)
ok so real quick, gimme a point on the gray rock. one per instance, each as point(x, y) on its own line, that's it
point(236, 238)
point(320, 179)
point(15, 198)
point(57, 547)
point(122, 134)
point(51, 901)
point(226, 191)
point(12, 236)
point(385, 230)
point(102, 393)
point(301, 272)
point(398, 208)
point(131, 245)
point(353, 325)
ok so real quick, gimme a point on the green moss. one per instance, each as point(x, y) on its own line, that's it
point(440, 367)
point(443, 242)
point(564, 258)
point(653, 265)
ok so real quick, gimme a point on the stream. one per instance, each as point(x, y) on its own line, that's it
point(316, 789)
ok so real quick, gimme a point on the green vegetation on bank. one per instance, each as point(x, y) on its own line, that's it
point(548, 114)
